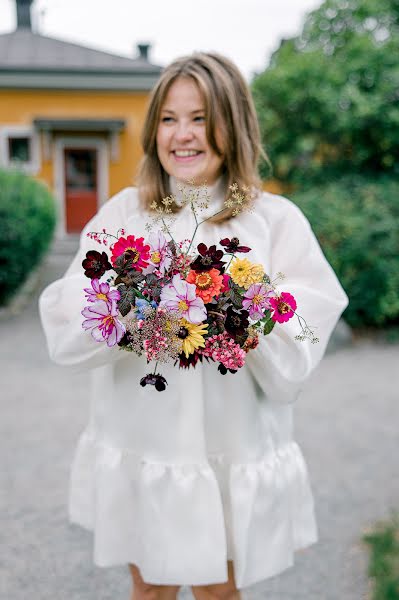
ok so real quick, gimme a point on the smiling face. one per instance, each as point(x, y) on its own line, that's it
point(182, 145)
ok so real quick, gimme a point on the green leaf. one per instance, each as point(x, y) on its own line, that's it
point(268, 326)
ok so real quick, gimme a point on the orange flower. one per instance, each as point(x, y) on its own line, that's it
point(208, 283)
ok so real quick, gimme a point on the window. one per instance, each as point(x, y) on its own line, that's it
point(19, 148)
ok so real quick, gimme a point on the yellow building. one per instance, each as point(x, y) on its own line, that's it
point(71, 116)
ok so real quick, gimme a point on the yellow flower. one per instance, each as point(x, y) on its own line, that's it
point(244, 273)
point(192, 336)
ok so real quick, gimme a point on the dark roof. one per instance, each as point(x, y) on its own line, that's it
point(105, 125)
point(29, 54)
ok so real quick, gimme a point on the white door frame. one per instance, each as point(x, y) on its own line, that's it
point(90, 142)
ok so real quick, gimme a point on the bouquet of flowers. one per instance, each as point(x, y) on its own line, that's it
point(163, 300)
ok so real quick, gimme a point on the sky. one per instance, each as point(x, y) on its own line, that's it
point(247, 31)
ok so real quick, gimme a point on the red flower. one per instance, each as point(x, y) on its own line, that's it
point(136, 252)
point(284, 306)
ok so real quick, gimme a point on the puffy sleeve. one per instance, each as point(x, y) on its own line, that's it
point(61, 303)
point(280, 363)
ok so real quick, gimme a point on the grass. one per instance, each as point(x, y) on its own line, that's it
point(383, 543)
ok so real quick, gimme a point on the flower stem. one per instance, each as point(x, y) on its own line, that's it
point(168, 230)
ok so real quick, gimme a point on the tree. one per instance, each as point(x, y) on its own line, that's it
point(328, 102)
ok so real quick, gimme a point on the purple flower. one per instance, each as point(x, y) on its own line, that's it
point(101, 291)
point(101, 318)
point(257, 300)
point(180, 296)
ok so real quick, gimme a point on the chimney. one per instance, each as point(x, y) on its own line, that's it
point(143, 51)
point(23, 14)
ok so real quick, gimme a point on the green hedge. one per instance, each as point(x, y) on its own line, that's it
point(357, 223)
point(27, 221)
point(383, 542)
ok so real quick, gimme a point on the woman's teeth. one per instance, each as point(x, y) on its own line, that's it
point(184, 153)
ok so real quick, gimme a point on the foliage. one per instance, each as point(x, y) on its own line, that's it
point(356, 222)
point(328, 102)
point(27, 220)
point(384, 559)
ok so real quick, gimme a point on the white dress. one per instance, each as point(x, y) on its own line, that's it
point(178, 482)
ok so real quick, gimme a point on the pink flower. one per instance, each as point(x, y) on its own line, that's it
point(160, 259)
point(101, 318)
point(257, 300)
point(284, 306)
point(135, 250)
point(222, 348)
point(225, 284)
point(180, 296)
point(101, 291)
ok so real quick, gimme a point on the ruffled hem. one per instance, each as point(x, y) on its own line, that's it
point(180, 523)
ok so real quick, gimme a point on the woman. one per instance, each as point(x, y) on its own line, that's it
point(204, 484)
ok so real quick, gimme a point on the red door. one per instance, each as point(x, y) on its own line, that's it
point(80, 187)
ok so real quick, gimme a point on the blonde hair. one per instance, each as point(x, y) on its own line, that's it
point(228, 107)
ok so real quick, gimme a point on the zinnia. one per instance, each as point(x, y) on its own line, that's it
point(137, 252)
point(284, 306)
point(208, 283)
point(244, 273)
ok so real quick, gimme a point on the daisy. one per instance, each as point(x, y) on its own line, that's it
point(192, 336)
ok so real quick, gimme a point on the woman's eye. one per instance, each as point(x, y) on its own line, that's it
point(199, 119)
point(166, 119)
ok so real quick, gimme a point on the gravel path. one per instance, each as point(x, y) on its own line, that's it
point(346, 424)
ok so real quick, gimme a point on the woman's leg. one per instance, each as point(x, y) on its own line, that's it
point(218, 591)
point(148, 591)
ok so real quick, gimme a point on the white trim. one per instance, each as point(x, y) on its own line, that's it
point(32, 167)
point(90, 142)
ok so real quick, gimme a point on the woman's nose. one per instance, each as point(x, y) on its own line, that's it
point(183, 132)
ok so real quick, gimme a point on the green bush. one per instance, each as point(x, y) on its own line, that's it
point(357, 223)
point(383, 569)
point(328, 101)
point(27, 220)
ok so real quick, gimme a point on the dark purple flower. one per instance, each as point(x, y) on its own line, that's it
point(209, 258)
point(236, 322)
point(95, 264)
point(158, 381)
point(232, 246)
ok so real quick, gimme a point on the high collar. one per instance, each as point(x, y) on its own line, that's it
point(216, 193)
